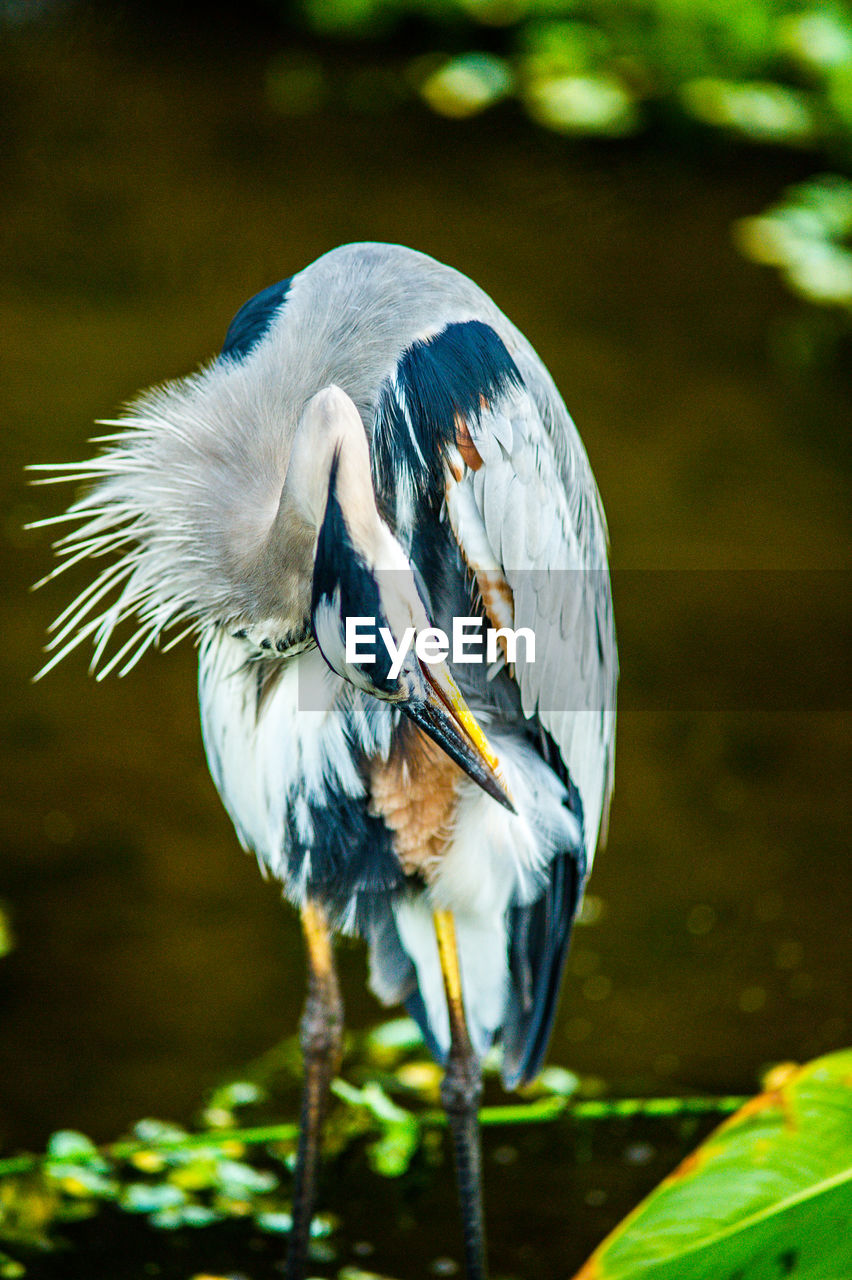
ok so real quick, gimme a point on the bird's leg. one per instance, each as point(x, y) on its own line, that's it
point(461, 1090)
point(321, 1036)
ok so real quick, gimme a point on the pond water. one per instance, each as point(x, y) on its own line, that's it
point(146, 193)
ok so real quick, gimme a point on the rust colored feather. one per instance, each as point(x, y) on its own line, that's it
point(466, 447)
point(415, 793)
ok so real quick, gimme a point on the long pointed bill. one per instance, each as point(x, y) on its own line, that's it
point(443, 714)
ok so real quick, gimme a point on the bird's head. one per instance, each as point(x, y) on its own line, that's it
point(228, 510)
point(366, 609)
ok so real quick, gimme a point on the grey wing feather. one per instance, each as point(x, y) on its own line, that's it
point(535, 512)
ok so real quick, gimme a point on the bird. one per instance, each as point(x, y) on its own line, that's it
point(378, 454)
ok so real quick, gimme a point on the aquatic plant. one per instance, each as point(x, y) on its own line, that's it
point(763, 1181)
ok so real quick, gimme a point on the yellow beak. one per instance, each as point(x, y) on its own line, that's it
point(445, 716)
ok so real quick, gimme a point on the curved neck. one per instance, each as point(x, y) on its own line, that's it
point(330, 429)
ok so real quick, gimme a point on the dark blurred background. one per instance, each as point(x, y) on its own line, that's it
point(156, 169)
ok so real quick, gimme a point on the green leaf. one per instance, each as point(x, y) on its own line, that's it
point(144, 1197)
point(392, 1153)
point(68, 1144)
point(816, 39)
point(760, 110)
point(769, 1194)
point(279, 1223)
point(467, 85)
point(76, 1180)
point(239, 1093)
point(822, 274)
point(237, 1178)
point(594, 105)
point(390, 1041)
point(558, 1080)
point(198, 1215)
point(829, 196)
point(159, 1132)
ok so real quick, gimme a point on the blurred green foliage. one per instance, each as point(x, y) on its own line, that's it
point(237, 1166)
point(769, 72)
point(782, 1155)
point(755, 1189)
point(807, 236)
point(773, 73)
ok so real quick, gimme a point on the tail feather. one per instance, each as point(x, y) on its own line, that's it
point(539, 938)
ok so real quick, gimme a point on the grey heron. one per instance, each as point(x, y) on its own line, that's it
point(376, 442)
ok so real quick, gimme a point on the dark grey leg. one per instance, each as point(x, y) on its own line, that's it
point(461, 1090)
point(321, 1037)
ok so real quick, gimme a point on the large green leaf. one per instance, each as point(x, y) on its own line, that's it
point(768, 1195)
